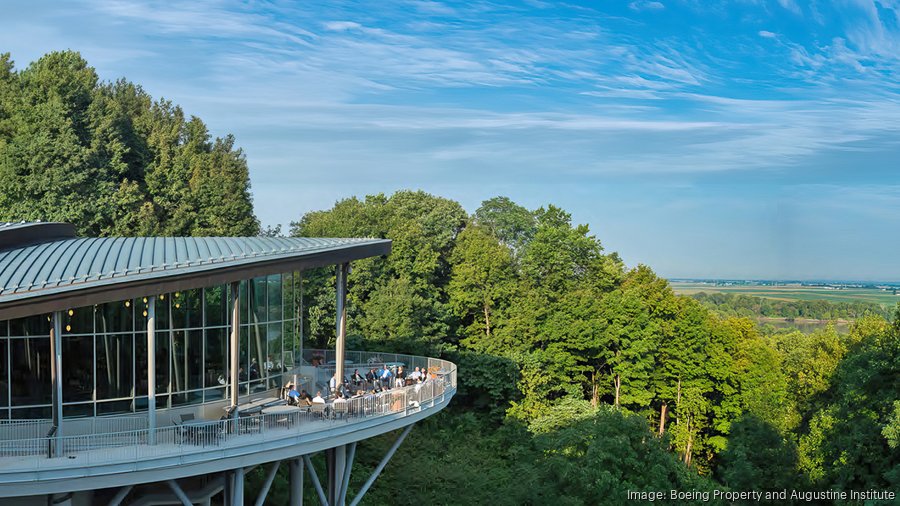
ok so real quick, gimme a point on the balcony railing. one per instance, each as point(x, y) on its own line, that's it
point(126, 439)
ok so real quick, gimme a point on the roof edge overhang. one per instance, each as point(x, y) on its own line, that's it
point(25, 234)
point(184, 279)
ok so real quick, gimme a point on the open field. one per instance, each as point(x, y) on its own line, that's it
point(792, 292)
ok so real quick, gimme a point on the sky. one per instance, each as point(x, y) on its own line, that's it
point(753, 139)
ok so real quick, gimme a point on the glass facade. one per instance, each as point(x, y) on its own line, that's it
point(104, 350)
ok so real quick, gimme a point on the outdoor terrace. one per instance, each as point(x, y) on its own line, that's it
point(116, 451)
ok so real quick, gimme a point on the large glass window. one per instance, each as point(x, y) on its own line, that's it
point(30, 371)
point(104, 348)
point(115, 366)
point(140, 363)
point(115, 317)
point(216, 358)
point(79, 320)
point(187, 310)
point(256, 370)
point(258, 290)
point(273, 299)
point(4, 369)
point(163, 359)
point(215, 299)
point(78, 368)
point(162, 312)
point(288, 346)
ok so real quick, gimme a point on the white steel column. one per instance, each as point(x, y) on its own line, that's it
point(151, 368)
point(298, 356)
point(56, 379)
point(237, 498)
point(342, 271)
point(234, 344)
point(297, 482)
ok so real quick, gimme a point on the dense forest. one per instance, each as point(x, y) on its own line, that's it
point(110, 159)
point(734, 304)
point(580, 378)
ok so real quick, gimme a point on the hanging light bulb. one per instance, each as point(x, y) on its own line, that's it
point(68, 328)
point(127, 303)
point(71, 312)
point(145, 312)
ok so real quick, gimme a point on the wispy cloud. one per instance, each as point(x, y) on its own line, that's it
point(646, 5)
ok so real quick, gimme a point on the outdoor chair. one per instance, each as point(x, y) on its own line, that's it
point(318, 409)
point(341, 409)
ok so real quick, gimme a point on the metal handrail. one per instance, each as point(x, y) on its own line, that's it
point(129, 445)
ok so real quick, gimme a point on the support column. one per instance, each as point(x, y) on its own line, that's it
point(298, 356)
point(237, 496)
point(380, 467)
point(297, 482)
point(234, 345)
point(151, 369)
point(336, 468)
point(56, 379)
point(342, 271)
point(348, 466)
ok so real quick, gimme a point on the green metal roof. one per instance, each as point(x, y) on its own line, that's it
point(64, 269)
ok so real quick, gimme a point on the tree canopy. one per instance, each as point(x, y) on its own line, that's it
point(112, 160)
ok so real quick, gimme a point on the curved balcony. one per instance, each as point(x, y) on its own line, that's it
point(116, 451)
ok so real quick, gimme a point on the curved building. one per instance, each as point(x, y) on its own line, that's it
point(159, 370)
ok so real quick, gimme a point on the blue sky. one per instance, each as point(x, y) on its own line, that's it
point(744, 139)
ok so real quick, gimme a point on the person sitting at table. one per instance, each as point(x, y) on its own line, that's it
point(401, 376)
point(385, 377)
point(318, 399)
point(415, 375)
point(357, 377)
point(293, 395)
point(370, 376)
point(305, 398)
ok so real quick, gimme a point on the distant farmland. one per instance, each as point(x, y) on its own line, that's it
point(792, 292)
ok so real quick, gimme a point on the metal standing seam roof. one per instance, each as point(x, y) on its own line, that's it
point(52, 268)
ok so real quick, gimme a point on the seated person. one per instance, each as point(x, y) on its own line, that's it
point(305, 398)
point(318, 399)
point(293, 396)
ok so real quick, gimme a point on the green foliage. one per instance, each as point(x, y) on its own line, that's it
point(735, 304)
point(109, 159)
point(512, 224)
point(599, 459)
point(759, 457)
point(845, 446)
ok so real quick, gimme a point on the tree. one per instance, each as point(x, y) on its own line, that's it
point(481, 281)
point(107, 158)
point(512, 224)
point(759, 458)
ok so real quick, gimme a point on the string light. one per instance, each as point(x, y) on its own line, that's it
point(71, 312)
point(127, 303)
